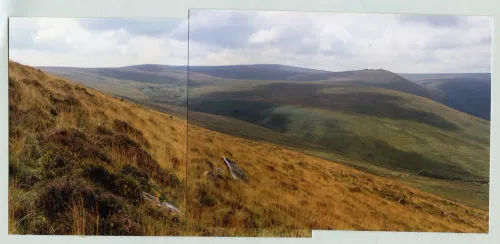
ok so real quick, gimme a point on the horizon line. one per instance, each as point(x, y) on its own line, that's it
point(227, 65)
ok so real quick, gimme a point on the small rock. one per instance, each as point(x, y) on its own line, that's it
point(235, 171)
point(403, 201)
point(157, 202)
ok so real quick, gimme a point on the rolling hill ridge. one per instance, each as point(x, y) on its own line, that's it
point(167, 84)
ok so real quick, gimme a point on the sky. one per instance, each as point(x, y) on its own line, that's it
point(338, 42)
point(99, 42)
point(328, 41)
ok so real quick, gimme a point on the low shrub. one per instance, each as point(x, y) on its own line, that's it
point(118, 183)
point(102, 130)
point(77, 142)
point(58, 195)
point(146, 164)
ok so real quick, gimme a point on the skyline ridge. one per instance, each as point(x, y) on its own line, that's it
point(254, 64)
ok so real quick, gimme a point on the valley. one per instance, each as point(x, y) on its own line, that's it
point(389, 127)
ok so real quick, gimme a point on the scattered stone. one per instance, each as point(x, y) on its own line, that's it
point(403, 201)
point(235, 171)
point(157, 202)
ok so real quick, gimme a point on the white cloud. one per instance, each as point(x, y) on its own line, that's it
point(342, 41)
point(330, 41)
point(67, 42)
point(263, 36)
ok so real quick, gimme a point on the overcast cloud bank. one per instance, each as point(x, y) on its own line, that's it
point(337, 41)
point(328, 41)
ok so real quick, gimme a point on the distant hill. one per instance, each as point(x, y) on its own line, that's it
point(383, 79)
point(168, 74)
point(422, 77)
point(262, 72)
point(157, 74)
point(156, 83)
point(467, 92)
point(177, 75)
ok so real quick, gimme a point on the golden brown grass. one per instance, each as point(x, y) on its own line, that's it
point(60, 131)
point(83, 222)
point(296, 191)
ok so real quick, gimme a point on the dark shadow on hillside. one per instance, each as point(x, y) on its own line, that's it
point(472, 97)
point(338, 140)
point(381, 153)
point(254, 112)
point(250, 105)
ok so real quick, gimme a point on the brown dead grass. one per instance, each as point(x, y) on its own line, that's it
point(78, 157)
point(292, 190)
point(59, 131)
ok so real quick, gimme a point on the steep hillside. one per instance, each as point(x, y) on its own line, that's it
point(287, 188)
point(79, 161)
point(466, 92)
point(469, 96)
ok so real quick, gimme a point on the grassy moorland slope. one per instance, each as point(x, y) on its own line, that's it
point(287, 188)
point(373, 128)
point(78, 160)
point(384, 127)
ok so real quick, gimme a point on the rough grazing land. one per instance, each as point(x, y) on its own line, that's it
point(79, 161)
